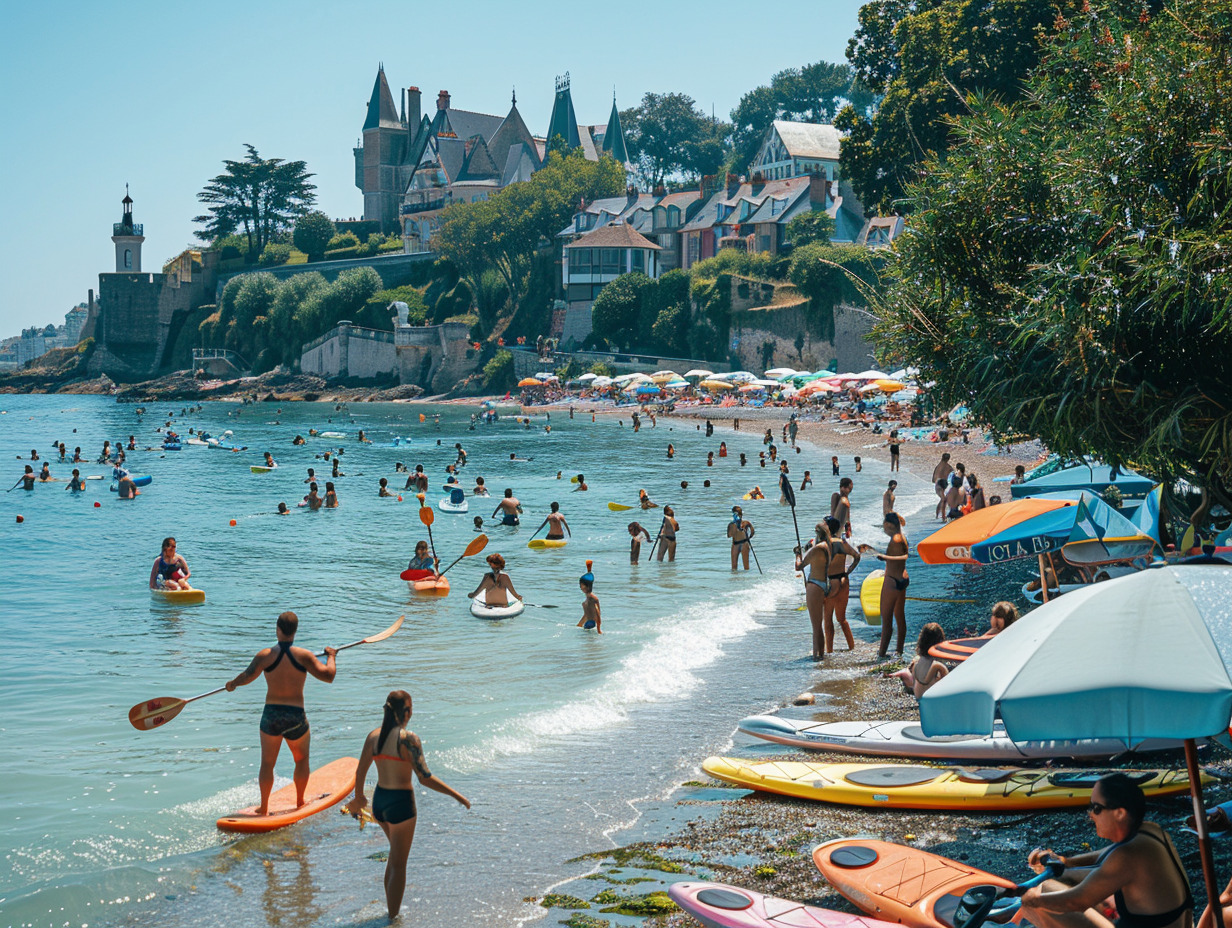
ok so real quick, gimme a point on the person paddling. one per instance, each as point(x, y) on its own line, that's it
point(508, 508)
point(397, 754)
point(170, 570)
point(667, 535)
point(556, 522)
point(423, 559)
point(286, 670)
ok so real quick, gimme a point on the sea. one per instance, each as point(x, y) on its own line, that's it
point(560, 738)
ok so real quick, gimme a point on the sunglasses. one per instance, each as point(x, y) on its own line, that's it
point(1095, 808)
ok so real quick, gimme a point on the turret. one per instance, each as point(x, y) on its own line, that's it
point(127, 237)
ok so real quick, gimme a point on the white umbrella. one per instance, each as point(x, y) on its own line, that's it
point(589, 377)
point(778, 373)
point(602, 382)
point(676, 384)
point(626, 378)
point(767, 383)
point(546, 375)
point(1142, 656)
point(698, 373)
point(872, 374)
point(739, 377)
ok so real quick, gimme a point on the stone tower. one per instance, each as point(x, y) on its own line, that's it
point(383, 151)
point(127, 238)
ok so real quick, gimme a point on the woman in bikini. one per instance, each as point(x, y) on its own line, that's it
point(835, 607)
point(739, 530)
point(925, 669)
point(894, 587)
point(397, 753)
point(170, 571)
point(495, 585)
point(667, 535)
point(817, 590)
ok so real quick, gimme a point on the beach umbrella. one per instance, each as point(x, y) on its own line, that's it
point(753, 388)
point(887, 385)
point(739, 377)
point(952, 543)
point(872, 374)
point(586, 377)
point(789, 392)
point(844, 378)
point(717, 385)
point(698, 373)
point(646, 389)
point(602, 381)
point(530, 382)
point(546, 375)
point(778, 373)
point(1162, 643)
point(663, 376)
point(675, 384)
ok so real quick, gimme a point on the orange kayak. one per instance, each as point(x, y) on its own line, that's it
point(326, 787)
point(430, 587)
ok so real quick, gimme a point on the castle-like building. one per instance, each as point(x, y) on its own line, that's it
point(411, 164)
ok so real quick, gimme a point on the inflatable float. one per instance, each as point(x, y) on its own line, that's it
point(484, 611)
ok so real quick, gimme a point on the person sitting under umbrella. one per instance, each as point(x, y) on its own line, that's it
point(1140, 870)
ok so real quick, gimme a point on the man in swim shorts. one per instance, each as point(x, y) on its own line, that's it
point(508, 508)
point(286, 670)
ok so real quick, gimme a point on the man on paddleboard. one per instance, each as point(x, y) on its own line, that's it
point(286, 670)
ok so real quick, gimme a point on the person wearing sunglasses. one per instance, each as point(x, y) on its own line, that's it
point(1140, 870)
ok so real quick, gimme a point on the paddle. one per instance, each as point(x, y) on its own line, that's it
point(154, 713)
point(540, 605)
point(978, 902)
point(427, 516)
point(478, 543)
point(615, 507)
point(790, 495)
point(650, 556)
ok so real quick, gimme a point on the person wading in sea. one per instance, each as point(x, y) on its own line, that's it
point(286, 670)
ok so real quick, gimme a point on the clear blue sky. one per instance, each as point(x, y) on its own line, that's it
point(158, 94)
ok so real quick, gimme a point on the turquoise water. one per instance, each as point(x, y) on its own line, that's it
point(554, 734)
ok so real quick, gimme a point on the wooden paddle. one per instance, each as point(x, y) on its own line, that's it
point(617, 507)
point(154, 713)
point(478, 543)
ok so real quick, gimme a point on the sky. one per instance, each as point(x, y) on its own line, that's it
point(157, 95)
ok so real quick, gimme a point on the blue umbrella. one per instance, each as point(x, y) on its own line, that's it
point(646, 389)
point(1090, 519)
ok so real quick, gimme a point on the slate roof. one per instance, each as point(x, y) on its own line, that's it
point(382, 112)
point(614, 235)
point(511, 132)
point(708, 216)
point(808, 139)
point(564, 121)
point(467, 124)
point(614, 136)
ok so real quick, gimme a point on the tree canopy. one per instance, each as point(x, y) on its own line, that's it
point(927, 57)
point(1067, 271)
point(313, 232)
point(669, 137)
point(256, 197)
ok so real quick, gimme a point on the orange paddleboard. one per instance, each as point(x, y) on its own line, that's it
point(327, 786)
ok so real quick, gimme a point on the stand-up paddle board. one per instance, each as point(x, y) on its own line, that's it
point(907, 739)
point(899, 786)
point(870, 597)
point(898, 883)
point(178, 597)
point(262, 468)
point(327, 786)
point(539, 543)
point(718, 905)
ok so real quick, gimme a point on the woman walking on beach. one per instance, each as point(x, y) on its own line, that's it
point(835, 607)
point(817, 590)
point(894, 588)
point(397, 753)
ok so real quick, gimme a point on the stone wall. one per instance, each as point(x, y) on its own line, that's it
point(435, 357)
point(349, 351)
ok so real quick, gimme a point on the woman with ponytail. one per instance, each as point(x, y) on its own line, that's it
point(397, 753)
point(590, 605)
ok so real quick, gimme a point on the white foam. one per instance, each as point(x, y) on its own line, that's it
point(664, 669)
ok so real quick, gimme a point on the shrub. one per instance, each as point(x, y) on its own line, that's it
point(342, 240)
point(498, 373)
point(313, 233)
point(274, 255)
point(602, 369)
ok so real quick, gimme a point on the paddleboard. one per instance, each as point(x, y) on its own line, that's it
point(429, 587)
point(718, 905)
point(446, 506)
point(870, 596)
point(197, 441)
point(179, 597)
point(899, 786)
point(484, 611)
point(142, 481)
point(957, 649)
point(262, 469)
point(332, 434)
point(907, 739)
point(327, 786)
point(540, 543)
point(898, 883)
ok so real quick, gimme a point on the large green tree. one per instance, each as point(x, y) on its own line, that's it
point(257, 198)
point(927, 57)
point(1067, 275)
point(669, 137)
point(312, 235)
point(813, 93)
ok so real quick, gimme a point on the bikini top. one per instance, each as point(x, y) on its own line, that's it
point(397, 758)
point(284, 650)
point(1130, 919)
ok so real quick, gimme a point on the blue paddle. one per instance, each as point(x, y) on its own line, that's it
point(980, 902)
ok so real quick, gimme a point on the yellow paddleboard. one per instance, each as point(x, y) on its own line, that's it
point(904, 786)
point(539, 543)
point(179, 597)
point(870, 597)
point(326, 787)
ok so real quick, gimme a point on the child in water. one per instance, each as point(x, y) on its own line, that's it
point(635, 545)
point(590, 605)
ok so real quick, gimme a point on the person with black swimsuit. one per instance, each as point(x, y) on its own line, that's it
point(1140, 870)
point(397, 753)
point(283, 718)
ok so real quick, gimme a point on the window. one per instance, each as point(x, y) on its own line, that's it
point(612, 261)
point(579, 260)
point(695, 248)
point(128, 258)
point(673, 216)
point(639, 259)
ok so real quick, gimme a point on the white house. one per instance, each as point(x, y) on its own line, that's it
point(791, 149)
point(595, 260)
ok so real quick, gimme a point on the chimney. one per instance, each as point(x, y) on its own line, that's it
point(442, 100)
point(630, 195)
point(412, 108)
point(819, 190)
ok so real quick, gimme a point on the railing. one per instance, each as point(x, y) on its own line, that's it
point(423, 206)
point(202, 355)
point(125, 228)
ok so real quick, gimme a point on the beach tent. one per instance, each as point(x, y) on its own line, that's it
point(872, 374)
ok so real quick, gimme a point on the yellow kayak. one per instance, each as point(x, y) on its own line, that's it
point(870, 597)
point(902, 786)
point(179, 597)
point(539, 543)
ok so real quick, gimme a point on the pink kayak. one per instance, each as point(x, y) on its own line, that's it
point(718, 905)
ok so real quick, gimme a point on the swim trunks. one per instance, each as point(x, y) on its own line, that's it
point(590, 623)
point(509, 518)
point(288, 722)
point(393, 806)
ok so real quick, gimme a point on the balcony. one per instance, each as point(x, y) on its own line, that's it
point(122, 228)
point(424, 205)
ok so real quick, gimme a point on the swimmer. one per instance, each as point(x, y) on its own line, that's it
point(590, 605)
point(508, 509)
point(269, 460)
point(635, 545)
point(384, 488)
point(1003, 616)
point(313, 499)
point(671, 451)
point(556, 522)
point(581, 484)
point(722, 449)
point(756, 493)
point(331, 497)
point(644, 500)
point(312, 476)
point(480, 489)
point(126, 488)
point(887, 498)
point(45, 473)
point(170, 570)
point(479, 523)
point(743, 459)
point(807, 481)
point(667, 535)
point(76, 485)
point(710, 459)
point(283, 510)
point(684, 484)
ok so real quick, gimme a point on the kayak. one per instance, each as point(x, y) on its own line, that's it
point(414, 573)
point(484, 611)
point(178, 597)
point(262, 469)
point(957, 649)
point(870, 596)
point(143, 481)
point(899, 786)
point(446, 505)
point(327, 787)
point(427, 586)
point(540, 543)
point(898, 883)
point(718, 905)
point(907, 739)
point(172, 446)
